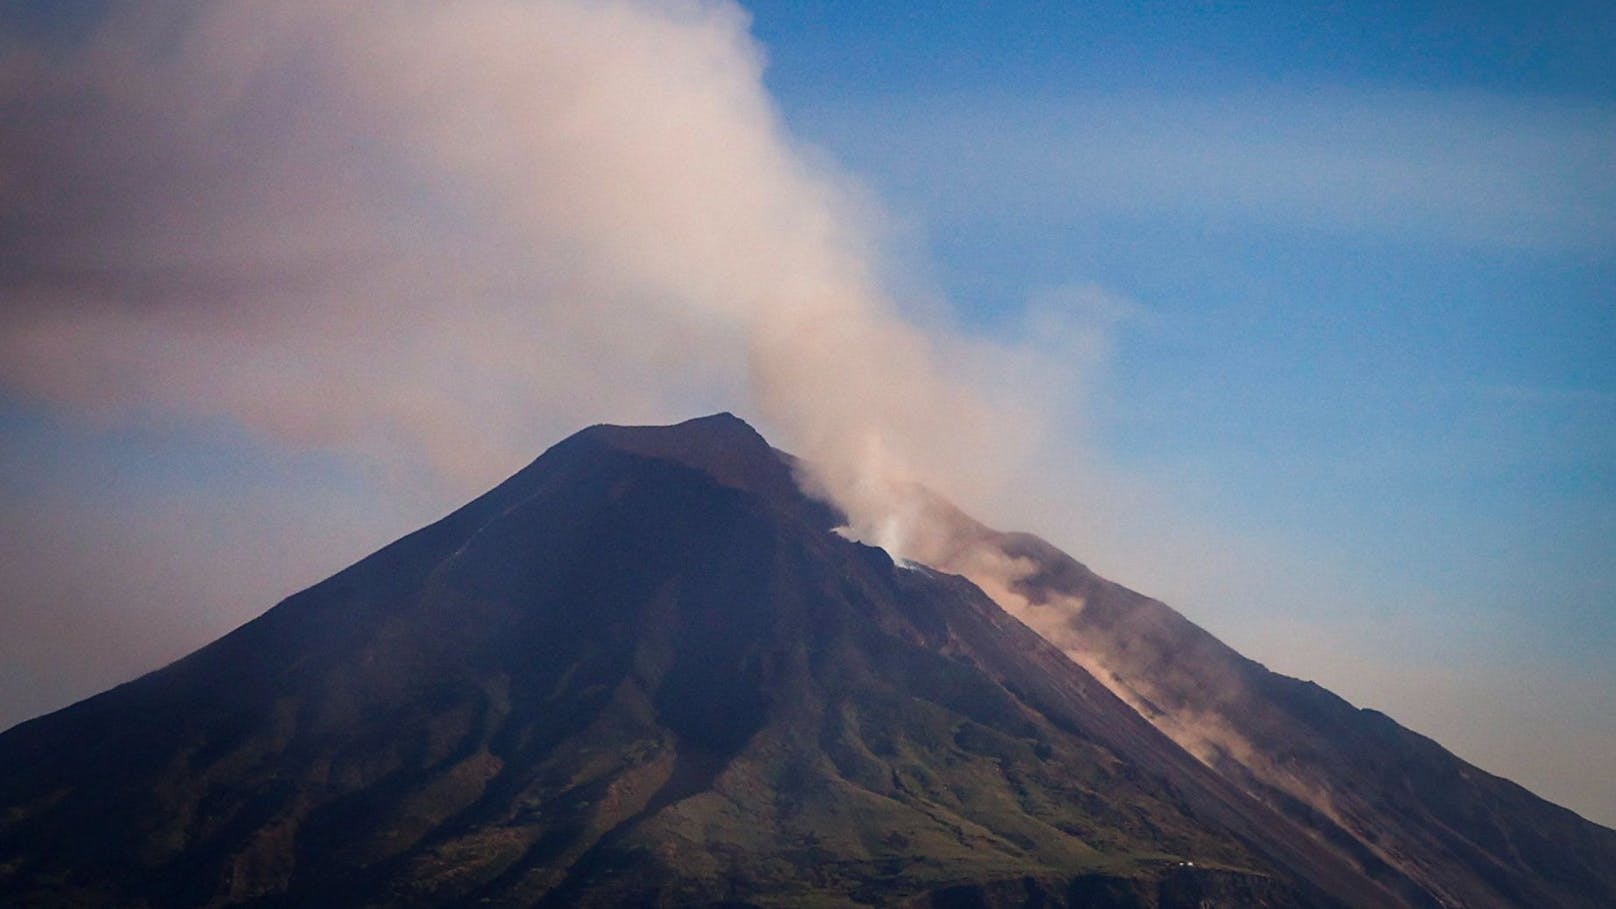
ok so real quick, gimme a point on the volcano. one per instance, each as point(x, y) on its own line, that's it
point(645, 671)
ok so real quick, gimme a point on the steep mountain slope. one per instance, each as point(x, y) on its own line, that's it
point(1464, 836)
point(643, 671)
point(1429, 826)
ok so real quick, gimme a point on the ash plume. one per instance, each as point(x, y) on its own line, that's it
point(439, 236)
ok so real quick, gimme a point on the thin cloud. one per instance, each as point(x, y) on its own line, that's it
point(1468, 169)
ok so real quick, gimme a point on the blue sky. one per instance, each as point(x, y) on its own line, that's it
point(1371, 250)
point(849, 48)
point(1327, 292)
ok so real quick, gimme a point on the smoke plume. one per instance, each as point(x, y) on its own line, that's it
point(438, 237)
point(441, 236)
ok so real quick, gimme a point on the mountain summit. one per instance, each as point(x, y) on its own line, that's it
point(644, 671)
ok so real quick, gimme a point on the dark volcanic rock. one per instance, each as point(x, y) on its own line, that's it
point(1178, 886)
point(641, 671)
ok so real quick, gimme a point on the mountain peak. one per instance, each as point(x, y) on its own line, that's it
point(719, 429)
point(640, 671)
point(637, 673)
point(721, 445)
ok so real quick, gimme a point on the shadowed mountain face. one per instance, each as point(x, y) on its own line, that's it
point(644, 671)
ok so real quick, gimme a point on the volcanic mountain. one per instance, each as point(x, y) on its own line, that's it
point(645, 671)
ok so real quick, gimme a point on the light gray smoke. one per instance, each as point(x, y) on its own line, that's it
point(439, 235)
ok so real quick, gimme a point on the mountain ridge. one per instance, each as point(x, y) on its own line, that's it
point(1333, 747)
point(641, 669)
